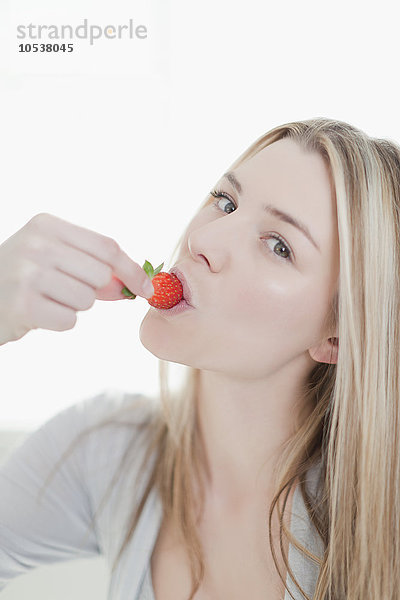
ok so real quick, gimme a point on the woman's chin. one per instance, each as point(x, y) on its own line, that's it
point(169, 339)
point(152, 337)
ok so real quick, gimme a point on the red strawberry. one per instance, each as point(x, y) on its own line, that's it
point(167, 287)
point(167, 291)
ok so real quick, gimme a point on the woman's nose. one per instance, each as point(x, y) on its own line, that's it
point(209, 248)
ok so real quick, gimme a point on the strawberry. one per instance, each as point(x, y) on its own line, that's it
point(167, 287)
point(167, 291)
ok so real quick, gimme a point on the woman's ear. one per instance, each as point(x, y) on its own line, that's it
point(326, 352)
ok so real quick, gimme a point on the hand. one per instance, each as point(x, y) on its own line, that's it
point(50, 269)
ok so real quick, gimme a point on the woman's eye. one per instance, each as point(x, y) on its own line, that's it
point(279, 241)
point(219, 196)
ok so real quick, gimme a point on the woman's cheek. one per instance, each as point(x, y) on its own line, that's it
point(253, 305)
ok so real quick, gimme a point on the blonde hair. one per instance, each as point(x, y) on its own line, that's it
point(353, 428)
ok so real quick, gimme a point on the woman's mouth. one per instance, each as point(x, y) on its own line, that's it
point(178, 308)
point(187, 292)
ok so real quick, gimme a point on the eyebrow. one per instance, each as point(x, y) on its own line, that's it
point(276, 212)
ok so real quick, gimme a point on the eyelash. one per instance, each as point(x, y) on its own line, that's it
point(219, 193)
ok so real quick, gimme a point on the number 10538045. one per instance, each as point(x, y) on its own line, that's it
point(45, 48)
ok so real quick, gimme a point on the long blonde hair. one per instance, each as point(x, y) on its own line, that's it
point(353, 429)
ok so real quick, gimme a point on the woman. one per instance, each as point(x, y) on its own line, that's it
point(295, 248)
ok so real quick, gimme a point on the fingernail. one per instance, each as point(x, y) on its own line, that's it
point(147, 288)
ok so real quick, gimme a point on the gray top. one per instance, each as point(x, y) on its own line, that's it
point(304, 570)
point(37, 530)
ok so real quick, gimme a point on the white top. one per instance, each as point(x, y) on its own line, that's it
point(55, 527)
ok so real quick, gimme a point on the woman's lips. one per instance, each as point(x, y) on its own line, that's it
point(178, 308)
point(187, 292)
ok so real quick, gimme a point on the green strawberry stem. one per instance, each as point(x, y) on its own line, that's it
point(128, 293)
point(151, 272)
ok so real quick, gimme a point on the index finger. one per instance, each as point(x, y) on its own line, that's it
point(107, 250)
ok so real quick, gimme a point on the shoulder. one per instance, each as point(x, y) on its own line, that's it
point(106, 424)
point(109, 415)
point(88, 440)
point(108, 432)
point(115, 421)
point(118, 407)
point(90, 432)
point(110, 404)
point(115, 449)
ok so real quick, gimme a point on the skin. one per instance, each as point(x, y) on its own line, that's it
point(256, 332)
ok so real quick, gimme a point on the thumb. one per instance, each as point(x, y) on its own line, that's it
point(112, 291)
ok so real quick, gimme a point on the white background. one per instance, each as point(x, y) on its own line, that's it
point(127, 137)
